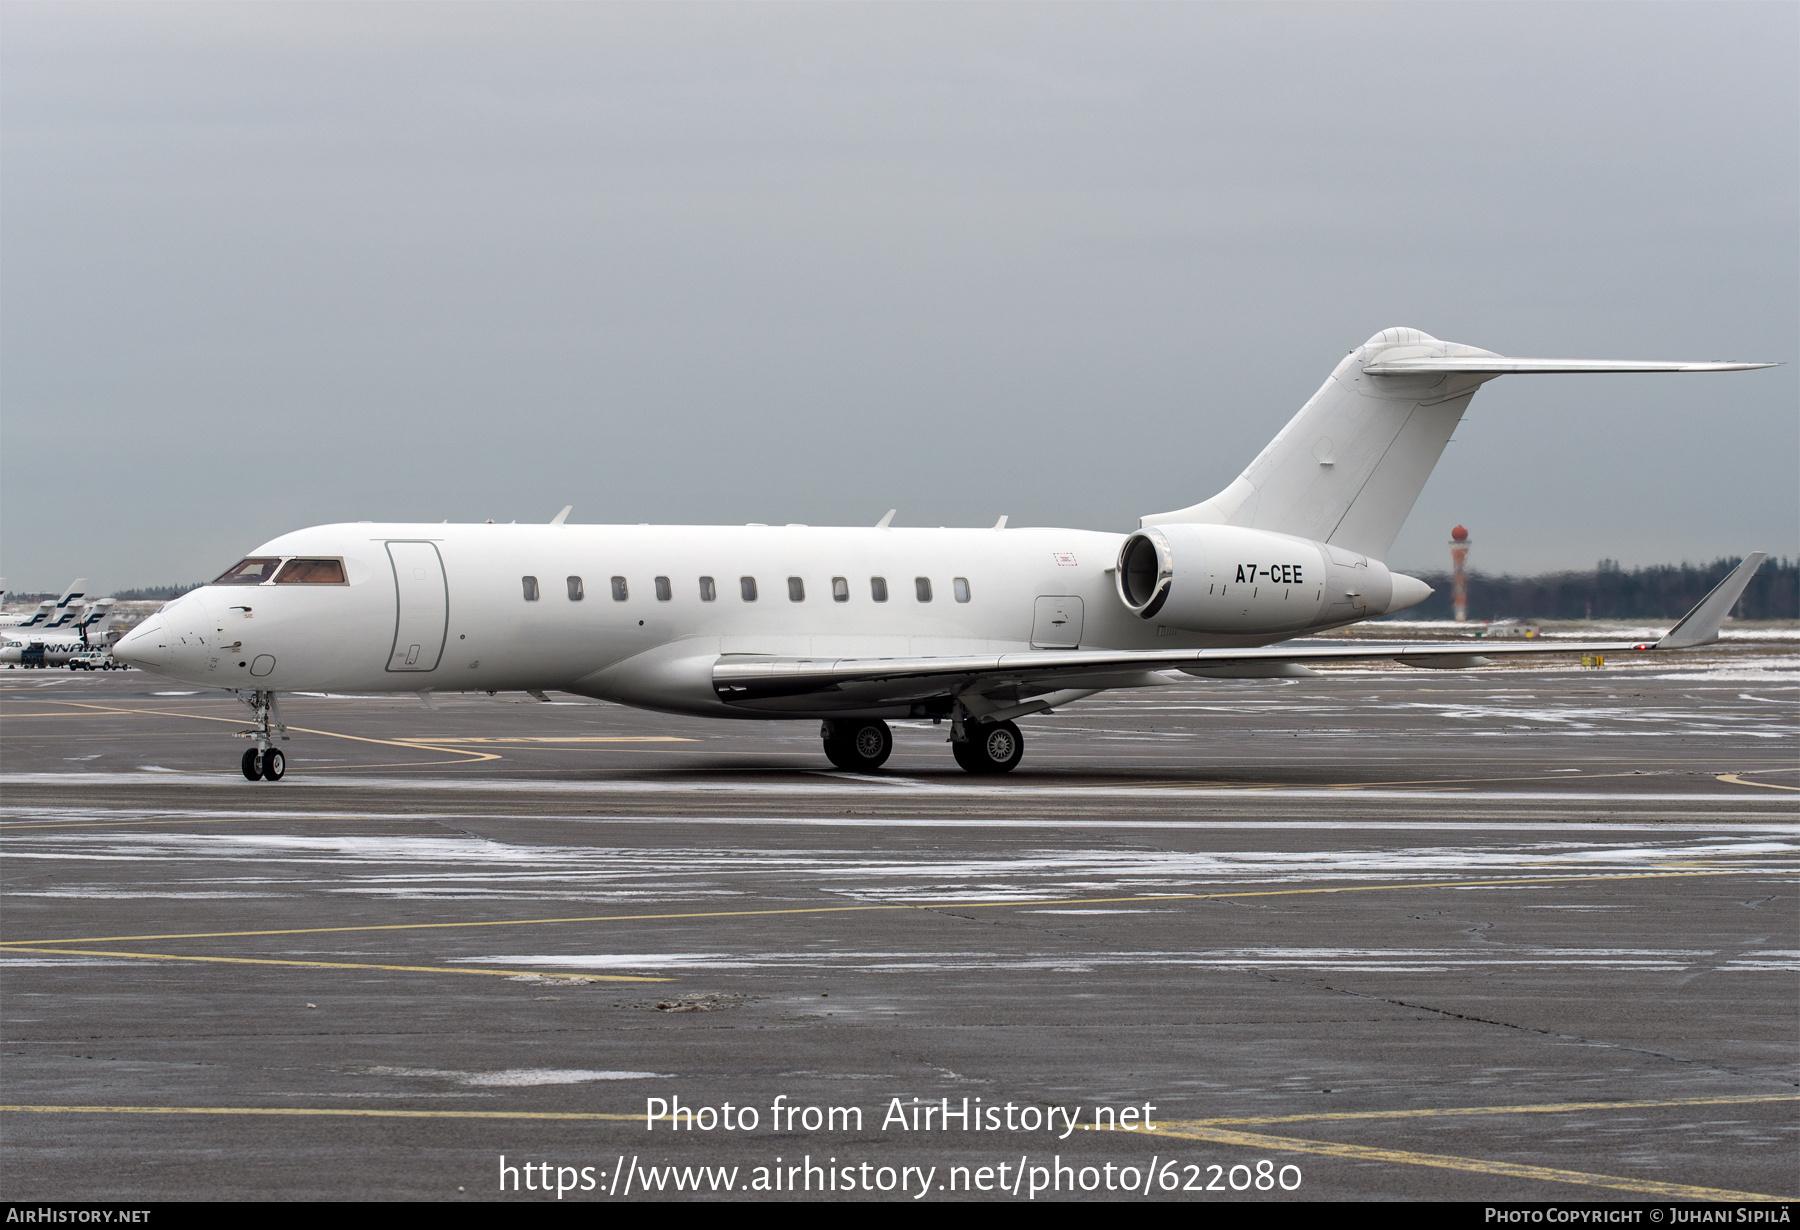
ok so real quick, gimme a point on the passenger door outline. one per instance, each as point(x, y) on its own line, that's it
point(421, 606)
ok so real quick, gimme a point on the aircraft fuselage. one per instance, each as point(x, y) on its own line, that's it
point(447, 607)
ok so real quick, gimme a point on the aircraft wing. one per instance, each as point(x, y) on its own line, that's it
point(751, 678)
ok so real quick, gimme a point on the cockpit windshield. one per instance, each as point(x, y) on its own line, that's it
point(252, 571)
point(312, 572)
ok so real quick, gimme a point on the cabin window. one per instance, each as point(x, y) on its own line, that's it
point(961, 586)
point(747, 587)
point(663, 592)
point(840, 589)
point(531, 591)
point(252, 571)
point(576, 593)
point(922, 587)
point(312, 572)
point(620, 593)
point(878, 588)
point(796, 590)
point(708, 591)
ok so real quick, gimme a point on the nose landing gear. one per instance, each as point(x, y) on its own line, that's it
point(269, 765)
point(265, 761)
point(859, 746)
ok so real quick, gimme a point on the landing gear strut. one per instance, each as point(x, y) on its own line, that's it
point(265, 760)
point(988, 747)
point(861, 746)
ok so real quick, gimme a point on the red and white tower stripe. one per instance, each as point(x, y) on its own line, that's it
point(1459, 585)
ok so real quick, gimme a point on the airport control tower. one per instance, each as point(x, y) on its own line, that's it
point(1459, 585)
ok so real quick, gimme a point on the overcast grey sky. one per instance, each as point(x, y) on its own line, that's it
point(266, 266)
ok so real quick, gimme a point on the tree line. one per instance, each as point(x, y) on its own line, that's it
point(1660, 591)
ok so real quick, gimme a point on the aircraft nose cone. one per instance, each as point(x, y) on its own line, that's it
point(145, 646)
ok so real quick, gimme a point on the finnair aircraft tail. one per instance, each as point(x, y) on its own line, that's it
point(58, 614)
point(68, 606)
point(96, 617)
point(1349, 467)
point(37, 619)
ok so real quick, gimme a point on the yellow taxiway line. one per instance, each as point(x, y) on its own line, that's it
point(409, 969)
point(318, 1111)
point(1197, 1129)
point(1448, 1112)
point(1408, 1157)
point(1737, 779)
point(559, 739)
point(471, 756)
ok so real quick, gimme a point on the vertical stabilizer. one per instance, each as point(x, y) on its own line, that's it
point(95, 620)
point(67, 606)
point(1349, 467)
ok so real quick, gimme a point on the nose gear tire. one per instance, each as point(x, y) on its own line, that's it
point(253, 764)
point(274, 764)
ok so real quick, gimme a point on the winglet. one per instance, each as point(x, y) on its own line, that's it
point(562, 516)
point(883, 523)
point(1700, 626)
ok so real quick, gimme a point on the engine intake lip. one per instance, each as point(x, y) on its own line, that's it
point(1145, 571)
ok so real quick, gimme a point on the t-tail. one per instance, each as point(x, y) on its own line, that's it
point(1349, 467)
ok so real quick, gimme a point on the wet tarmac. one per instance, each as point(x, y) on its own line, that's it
point(1510, 934)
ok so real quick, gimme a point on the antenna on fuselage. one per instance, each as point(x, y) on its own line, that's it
point(883, 523)
point(562, 516)
point(1001, 523)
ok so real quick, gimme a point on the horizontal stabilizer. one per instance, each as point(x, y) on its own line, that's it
point(1495, 365)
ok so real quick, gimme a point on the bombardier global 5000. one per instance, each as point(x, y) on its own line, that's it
point(853, 626)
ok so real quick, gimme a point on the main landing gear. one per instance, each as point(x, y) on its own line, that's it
point(862, 745)
point(988, 747)
point(859, 745)
point(265, 761)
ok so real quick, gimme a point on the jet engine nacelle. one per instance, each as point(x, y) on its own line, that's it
point(1225, 578)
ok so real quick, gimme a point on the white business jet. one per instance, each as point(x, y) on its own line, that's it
point(851, 626)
